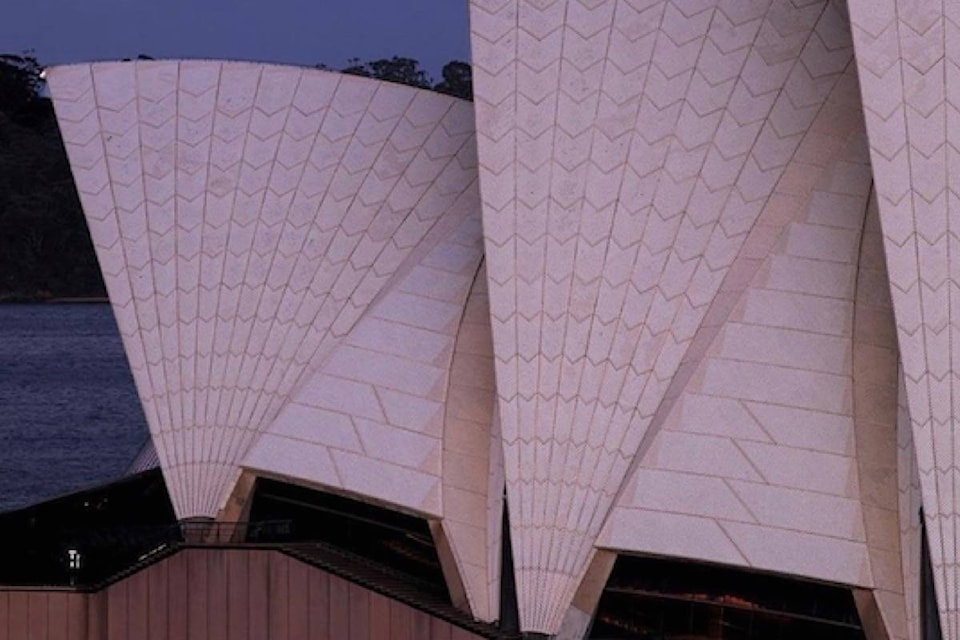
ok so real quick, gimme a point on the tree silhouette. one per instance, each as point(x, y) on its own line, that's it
point(457, 77)
point(396, 69)
point(457, 80)
point(44, 245)
point(19, 87)
point(45, 248)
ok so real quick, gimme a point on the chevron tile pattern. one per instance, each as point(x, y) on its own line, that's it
point(401, 410)
point(909, 62)
point(679, 282)
point(626, 149)
point(245, 216)
point(772, 396)
point(369, 420)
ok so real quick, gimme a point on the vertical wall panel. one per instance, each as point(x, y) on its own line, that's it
point(4, 613)
point(258, 585)
point(317, 610)
point(57, 615)
point(177, 622)
point(44, 615)
point(360, 613)
point(298, 596)
point(277, 597)
point(138, 604)
point(379, 616)
point(205, 594)
point(197, 599)
point(37, 603)
point(96, 617)
point(158, 625)
point(77, 616)
point(17, 625)
point(456, 633)
point(117, 611)
point(217, 595)
point(421, 625)
point(339, 601)
point(238, 596)
point(440, 630)
point(401, 621)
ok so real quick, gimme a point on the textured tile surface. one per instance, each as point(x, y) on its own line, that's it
point(401, 411)
point(909, 63)
point(680, 339)
point(626, 150)
point(910, 505)
point(876, 390)
point(473, 502)
point(245, 216)
point(371, 415)
point(771, 395)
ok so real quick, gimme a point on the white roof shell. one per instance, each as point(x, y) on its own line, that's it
point(683, 259)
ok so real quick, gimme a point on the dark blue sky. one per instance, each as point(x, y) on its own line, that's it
point(293, 31)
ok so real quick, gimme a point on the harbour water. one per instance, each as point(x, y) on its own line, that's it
point(69, 413)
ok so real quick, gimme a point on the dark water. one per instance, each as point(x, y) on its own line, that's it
point(69, 413)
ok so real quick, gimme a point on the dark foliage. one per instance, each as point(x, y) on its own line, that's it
point(19, 86)
point(457, 79)
point(45, 248)
point(400, 70)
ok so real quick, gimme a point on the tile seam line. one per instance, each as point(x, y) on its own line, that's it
point(232, 359)
point(352, 199)
point(89, 69)
point(646, 439)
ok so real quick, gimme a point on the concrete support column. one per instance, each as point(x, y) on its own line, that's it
point(576, 621)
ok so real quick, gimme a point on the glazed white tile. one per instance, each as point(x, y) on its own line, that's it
point(780, 437)
point(625, 153)
point(907, 58)
point(245, 216)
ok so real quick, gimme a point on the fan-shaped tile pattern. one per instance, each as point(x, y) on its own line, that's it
point(244, 216)
point(626, 149)
point(727, 479)
point(370, 420)
point(402, 410)
point(908, 53)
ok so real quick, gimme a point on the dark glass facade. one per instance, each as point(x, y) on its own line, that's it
point(84, 538)
point(655, 599)
point(389, 538)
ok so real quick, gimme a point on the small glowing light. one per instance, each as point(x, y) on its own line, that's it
point(73, 559)
point(43, 74)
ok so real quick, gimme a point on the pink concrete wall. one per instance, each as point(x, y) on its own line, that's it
point(218, 594)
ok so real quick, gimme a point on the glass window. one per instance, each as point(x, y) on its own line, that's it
point(655, 599)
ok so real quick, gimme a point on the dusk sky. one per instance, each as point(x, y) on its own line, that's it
point(293, 31)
